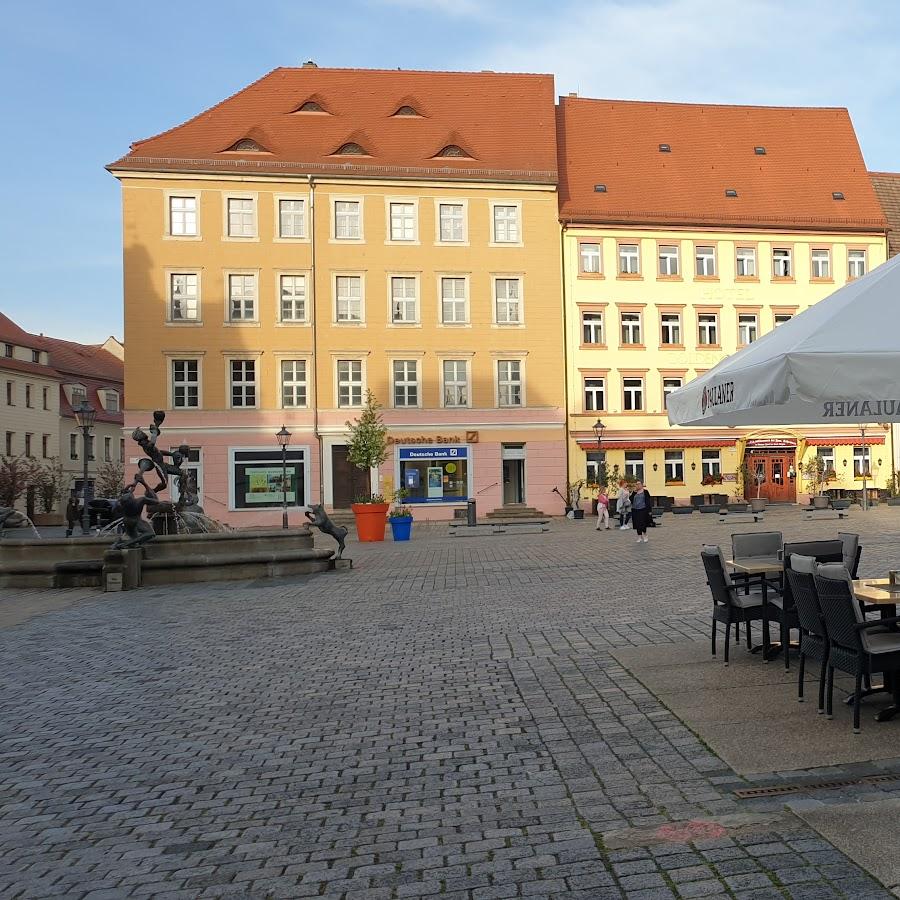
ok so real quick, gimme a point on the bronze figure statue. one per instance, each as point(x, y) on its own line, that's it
point(318, 517)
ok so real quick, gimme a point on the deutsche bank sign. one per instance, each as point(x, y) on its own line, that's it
point(433, 452)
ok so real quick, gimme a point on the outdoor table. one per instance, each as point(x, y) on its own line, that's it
point(765, 566)
point(886, 596)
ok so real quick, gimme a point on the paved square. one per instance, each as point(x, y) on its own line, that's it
point(445, 719)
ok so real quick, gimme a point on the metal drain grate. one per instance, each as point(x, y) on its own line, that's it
point(805, 787)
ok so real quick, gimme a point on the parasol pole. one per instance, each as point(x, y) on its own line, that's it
point(865, 499)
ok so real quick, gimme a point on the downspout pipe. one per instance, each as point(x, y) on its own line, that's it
point(315, 333)
point(566, 359)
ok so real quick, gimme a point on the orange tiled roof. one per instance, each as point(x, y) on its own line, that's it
point(810, 152)
point(10, 333)
point(505, 122)
point(887, 188)
point(84, 360)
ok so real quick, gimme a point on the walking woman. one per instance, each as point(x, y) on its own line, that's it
point(623, 506)
point(641, 510)
point(602, 510)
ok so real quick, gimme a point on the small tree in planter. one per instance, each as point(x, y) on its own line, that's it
point(400, 516)
point(367, 449)
point(17, 475)
point(814, 473)
point(52, 486)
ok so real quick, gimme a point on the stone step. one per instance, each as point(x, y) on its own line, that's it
point(515, 511)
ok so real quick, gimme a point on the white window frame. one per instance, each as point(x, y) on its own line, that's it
point(278, 199)
point(357, 239)
point(815, 263)
point(636, 393)
point(114, 395)
point(635, 467)
point(628, 257)
point(73, 444)
point(673, 466)
point(497, 241)
point(781, 318)
point(594, 390)
point(349, 382)
point(405, 383)
point(404, 322)
point(107, 448)
point(705, 327)
point(254, 211)
point(597, 325)
point(862, 457)
point(705, 261)
point(361, 278)
point(590, 255)
point(668, 387)
point(826, 457)
point(293, 382)
point(516, 303)
point(709, 464)
point(748, 332)
point(672, 267)
point(230, 383)
point(743, 256)
point(851, 263)
point(307, 486)
point(504, 380)
point(254, 275)
point(456, 276)
point(176, 357)
point(450, 201)
point(169, 231)
point(778, 262)
point(670, 329)
point(281, 274)
point(467, 370)
point(389, 204)
point(170, 275)
point(637, 326)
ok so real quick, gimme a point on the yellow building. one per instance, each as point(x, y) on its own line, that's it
point(688, 232)
point(327, 232)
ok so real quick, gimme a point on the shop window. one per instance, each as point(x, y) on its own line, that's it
point(434, 474)
point(257, 483)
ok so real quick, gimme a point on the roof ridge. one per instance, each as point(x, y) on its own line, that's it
point(887, 174)
point(411, 71)
point(569, 98)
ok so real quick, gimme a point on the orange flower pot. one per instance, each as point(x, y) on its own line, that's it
point(371, 519)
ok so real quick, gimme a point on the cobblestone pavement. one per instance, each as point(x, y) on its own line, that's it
point(445, 719)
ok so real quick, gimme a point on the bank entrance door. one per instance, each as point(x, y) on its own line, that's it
point(774, 466)
point(347, 481)
point(513, 473)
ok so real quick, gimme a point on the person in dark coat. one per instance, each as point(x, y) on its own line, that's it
point(71, 514)
point(641, 511)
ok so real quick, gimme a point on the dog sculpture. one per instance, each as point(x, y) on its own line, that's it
point(318, 517)
point(12, 518)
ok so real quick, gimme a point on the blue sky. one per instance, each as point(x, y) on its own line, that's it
point(83, 80)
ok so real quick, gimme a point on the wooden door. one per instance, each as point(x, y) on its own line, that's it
point(776, 486)
point(347, 481)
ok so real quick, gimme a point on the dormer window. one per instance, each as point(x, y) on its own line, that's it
point(111, 401)
point(8, 351)
point(36, 356)
point(351, 148)
point(408, 111)
point(310, 106)
point(77, 395)
point(665, 148)
point(837, 195)
point(246, 145)
point(452, 151)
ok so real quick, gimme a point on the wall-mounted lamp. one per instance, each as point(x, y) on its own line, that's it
point(693, 467)
point(655, 466)
point(845, 462)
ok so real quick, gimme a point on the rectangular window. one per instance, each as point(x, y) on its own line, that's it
point(862, 462)
point(46, 397)
point(708, 330)
point(90, 447)
point(595, 459)
point(291, 218)
point(258, 478)
point(243, 383)
point(856, 263)
point(185, 383)
point(121, 449)
point(706, 262)
point(9, 444)
point(112, 401)
point(589, 258)
point(747, 329)
point(349, 298)
point(403, 221)
point(183, 216)
point(781, 318)
point(669, 385)
point(594, 394)
point(670, 328)
point(292, 297)
point(668, 260)
point(45, 446)
point(28, 396)
point(242, 298)
point(183, 297)
point(632, 394)
point(826, 454)
point(347, 224)
point(453, 300)
point(781, 262)
point(456, 382)
point(434, 474)
point(506, 224)
point(507, 299)
point(592, 327)
point(28, 438)
point(107, 449)
point(674, 467)
point(10, 394)
point(710, 464)
point(631, 328)
point(745, 263)
point(73, 445)
point(241, 217)
point(293, 383)
point(404, 300)
point(79, 395)
point(634, 464)
point(406, 382)
point(8, 351)
point(451, 221)
point(36, 356)
point(349, 382)
point(820, 263)
point(509, 382)
point(629, 259)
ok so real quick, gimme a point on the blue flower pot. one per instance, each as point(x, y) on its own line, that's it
point(401, 528)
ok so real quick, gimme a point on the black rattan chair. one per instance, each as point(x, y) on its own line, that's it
point(729, 604)
point(813, 636)
point(855, 647)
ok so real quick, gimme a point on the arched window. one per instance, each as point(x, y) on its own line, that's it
point(406, 110)
point(246, 145)
point(350, 149)
point(452, 150)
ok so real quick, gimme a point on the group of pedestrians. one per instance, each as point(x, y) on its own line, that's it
point(634, 509)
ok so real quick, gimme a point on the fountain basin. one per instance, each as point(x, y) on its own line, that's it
point(168, 559)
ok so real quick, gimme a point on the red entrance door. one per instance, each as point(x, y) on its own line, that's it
point(773, 465)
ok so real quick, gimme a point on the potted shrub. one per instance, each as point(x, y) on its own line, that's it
point(400, 517)
point(367, 449)
point(894, 490)
point(51, 483)
point(814, 473)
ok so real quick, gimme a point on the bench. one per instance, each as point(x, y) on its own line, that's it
point(732, 518)
point(519, 526)
point(826, 514)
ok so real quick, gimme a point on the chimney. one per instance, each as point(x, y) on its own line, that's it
point(309, 64)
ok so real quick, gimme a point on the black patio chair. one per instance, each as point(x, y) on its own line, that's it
point(857, 647)
point(852, 551)
point(729, 604)
point(813, 635)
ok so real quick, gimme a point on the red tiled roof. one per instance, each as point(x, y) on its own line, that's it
point(10, 333)
point(506, 121)
point(810, 152)
point(84, 360)
point(887, 189)
point(21, 365)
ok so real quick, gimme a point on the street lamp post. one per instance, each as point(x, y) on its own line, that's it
point(284, 438)
point(85, 414)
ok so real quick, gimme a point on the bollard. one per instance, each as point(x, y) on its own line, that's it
point(471, 518)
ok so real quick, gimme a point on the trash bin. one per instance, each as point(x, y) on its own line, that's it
point(471, 516)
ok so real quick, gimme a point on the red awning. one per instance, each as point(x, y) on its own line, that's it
point(711, 444)
point(845, 441)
